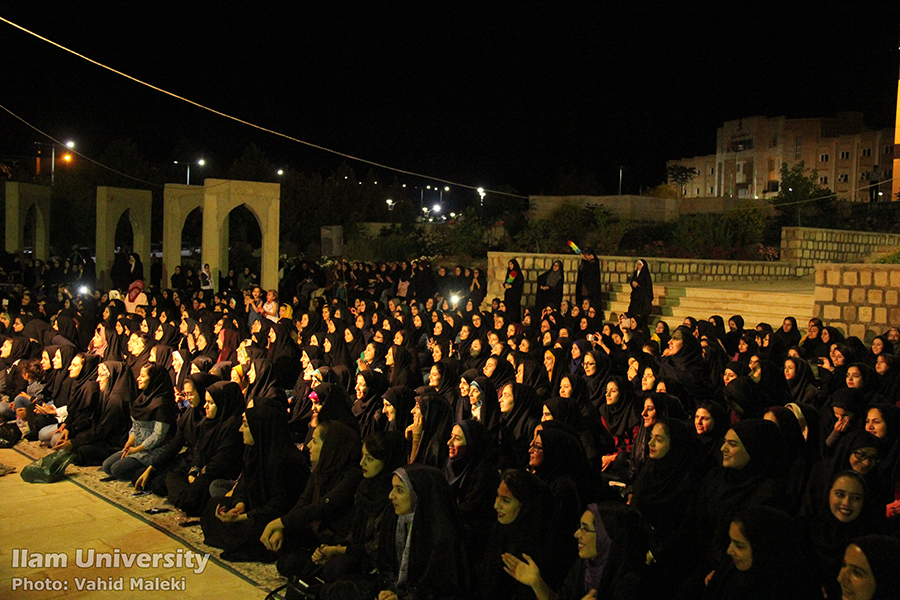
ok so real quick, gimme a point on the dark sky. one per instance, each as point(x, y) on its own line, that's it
point(508, 93)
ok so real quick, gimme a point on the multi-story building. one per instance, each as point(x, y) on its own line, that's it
point(750, 151)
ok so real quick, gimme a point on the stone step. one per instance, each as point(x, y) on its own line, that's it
point(675, 302)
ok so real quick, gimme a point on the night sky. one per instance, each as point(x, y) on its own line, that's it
point(503, 94)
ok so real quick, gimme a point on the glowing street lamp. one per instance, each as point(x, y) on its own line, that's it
point(200, 162)
point(67, 157)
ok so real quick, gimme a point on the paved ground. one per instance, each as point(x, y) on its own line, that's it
point(63, 517)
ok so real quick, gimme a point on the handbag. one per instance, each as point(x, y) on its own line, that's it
point(49, 468)
point(10, 434)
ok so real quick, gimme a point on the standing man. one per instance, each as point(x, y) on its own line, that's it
point(588, 285)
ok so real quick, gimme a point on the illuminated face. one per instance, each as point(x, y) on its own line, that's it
point(649, 413)
point(506, 505)
point(371, 466)
point(703, 421)
point(102, 377)
point(846, 499)
point(245, 431)
point(388, 411)
point(210, 407)
point(506, 399)
point(549, 361)
point(536, 452)
point(856, 577)
point(875, 423)
point(361, 387)
point(457, 442)
point(46, 361)
point(864, 460)
point(464, 388)
point(489, 367)
point(315, 445)
point(729, 376)
point(734, 454)
point(565, 388)
point(546, 415)
point(75, 367)
point(400, 497)
point(739, 549)
point(648, 381)
point(586, 534)
point(660, 442)
point(877, 346)
point(854, 378)
point(881, 366)
point(590, 365)
point(143, 379)
point(790, 369)
point(612, 393)
point(675, 346)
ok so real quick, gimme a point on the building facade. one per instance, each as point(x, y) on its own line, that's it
point(750, 152)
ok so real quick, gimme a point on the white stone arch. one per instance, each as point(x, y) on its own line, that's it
point(112, 203)
point(20, 197)
point(180, 201)
point(263, 200)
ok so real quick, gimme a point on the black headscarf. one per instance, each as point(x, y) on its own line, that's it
point(368, 408)
point(157, 401)
point(335, 406)
point(437, 422)
point(622, 417)
point(220, 436)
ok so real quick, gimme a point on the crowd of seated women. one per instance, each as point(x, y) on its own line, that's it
point(428, 449)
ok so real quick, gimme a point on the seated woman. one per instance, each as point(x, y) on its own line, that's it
point(117, 391)
point(322, 515)
point(520, 412)
point(179, 450)
point(763, 560)
point(216, 453)
point(273, 476)
point(751, 474)
point(523, 526)
point(420, 552)
point(152, 422)
point(603, 569)
point(845, 515)
point(471, 471)
point(869, 571)
point(382, 453)
point(430, 430)
point(84, 398)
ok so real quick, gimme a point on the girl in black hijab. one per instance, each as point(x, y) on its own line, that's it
point(763, 560)
point(472, 474)
point(216, 455)
point(430, 430)
point(110, 431)
point(402, 374)
point(484, 405)
point(514, 284)
point(322, 515)
point(550, 287)
point(665, 489)
point(621, 417)
point(263, 382)
point(178, 453)
point(801, 381)
point(273, 476)
point(520, 412)
point(382, 453)
point(751, 474)
point(84, 398)
point(370, 387)
point(153, 417)
point(641, 302)
point(397, 405)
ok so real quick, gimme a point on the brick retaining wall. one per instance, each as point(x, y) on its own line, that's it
point(859, 299)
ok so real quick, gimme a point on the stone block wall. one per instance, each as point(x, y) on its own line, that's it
point(617, 269)
point(860, 299)
point(806, 246)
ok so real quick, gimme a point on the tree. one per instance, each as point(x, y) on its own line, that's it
point(800, 194)
point(681, 176)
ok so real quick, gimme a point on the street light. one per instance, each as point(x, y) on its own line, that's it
point(66, 157)
point(200, 162)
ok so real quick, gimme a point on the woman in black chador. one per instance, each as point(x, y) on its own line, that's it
point(641, 292)
point(514, 284)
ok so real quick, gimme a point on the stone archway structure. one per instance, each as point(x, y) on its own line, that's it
point(111, 204)
point(217, 198)
point(179, 200)
point(20, 197)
